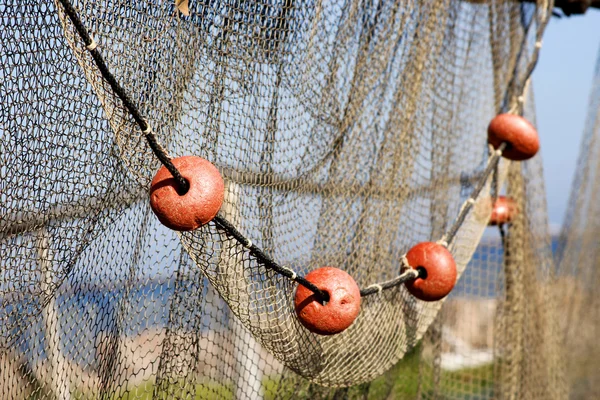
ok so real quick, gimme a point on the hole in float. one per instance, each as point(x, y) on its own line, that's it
point(422, 272)
point(324, 302)
point(183, 191)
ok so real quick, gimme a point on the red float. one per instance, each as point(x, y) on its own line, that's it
point(504, 211)
point(339, 312)
point(437, 271)
point(198, 205)
point(520, 136)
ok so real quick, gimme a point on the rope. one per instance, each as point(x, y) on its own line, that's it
point(267, 261)
point(92, 47)
point(183, 185)
point(408, 275)
point(165, 159)
point(448, 237)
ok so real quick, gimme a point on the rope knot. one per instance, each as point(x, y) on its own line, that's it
point(92, 46)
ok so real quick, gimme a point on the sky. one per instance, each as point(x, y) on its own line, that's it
point(562, 82)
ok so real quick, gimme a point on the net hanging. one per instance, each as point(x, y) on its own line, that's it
point(345, 132)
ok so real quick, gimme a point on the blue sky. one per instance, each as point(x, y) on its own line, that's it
point(562, 82)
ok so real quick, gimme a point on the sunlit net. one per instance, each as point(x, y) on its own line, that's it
point(346, 133)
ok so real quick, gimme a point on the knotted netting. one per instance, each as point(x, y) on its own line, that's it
point(346, 132)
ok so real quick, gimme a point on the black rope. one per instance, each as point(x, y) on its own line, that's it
point(164, 158)
point(267, 261)
point(183, 184)
point(157, 149)
point(502, 235)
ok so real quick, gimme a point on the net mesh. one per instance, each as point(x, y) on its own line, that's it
point(578, 260)
point(346, 132)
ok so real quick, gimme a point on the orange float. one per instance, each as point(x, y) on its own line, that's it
point(520, 136)
point(504, 211)
point(335, 315)
point(437, 271)
point(199, 205)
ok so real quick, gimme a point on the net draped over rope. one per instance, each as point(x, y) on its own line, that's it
point(346, 132)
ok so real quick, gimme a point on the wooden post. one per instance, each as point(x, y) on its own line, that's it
point(247, 379)
point(58, 377)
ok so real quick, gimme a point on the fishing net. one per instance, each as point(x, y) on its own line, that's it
point(578, 261)
point(346, 132)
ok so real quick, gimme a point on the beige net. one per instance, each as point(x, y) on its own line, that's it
point(346, 133)
point(578, 261)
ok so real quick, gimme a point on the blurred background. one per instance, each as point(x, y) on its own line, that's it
point(562, 82)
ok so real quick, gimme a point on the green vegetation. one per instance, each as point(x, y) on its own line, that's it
point(145, 391)
point(401, 382)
